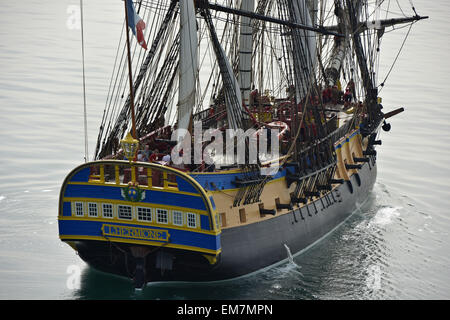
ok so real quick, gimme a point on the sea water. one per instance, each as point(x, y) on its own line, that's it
point(395, 246)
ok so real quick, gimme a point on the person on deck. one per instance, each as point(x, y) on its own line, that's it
point(351, 87)
point(326, 95)
point(211, 112)
point(146, 153)
point(154, 156)
point(290, 92)
point(254, 97)
point(166, 157)
point(335, 94)
point(348, 97)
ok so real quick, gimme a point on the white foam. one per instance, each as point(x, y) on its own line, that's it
point(289, 254)
point(291, 266)
point(385, 216)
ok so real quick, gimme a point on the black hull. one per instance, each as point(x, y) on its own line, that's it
point(247, 248)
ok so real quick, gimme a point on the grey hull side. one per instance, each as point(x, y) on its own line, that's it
point(255, 246)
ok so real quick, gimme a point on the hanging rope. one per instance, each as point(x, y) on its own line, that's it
point(86, 147)
point(395, 60)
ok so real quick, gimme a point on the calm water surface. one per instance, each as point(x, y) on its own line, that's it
point(396, 246)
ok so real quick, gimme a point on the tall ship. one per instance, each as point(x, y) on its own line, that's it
point(234, 134)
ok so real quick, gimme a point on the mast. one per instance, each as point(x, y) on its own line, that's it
point(231, 88)
point(353, 8)
point(130, 75)
point(373, 108)
point(304, 48)
point(339, 48)
point(111, 133)
point(188, 64)
point(341, 44)
point(245, 51)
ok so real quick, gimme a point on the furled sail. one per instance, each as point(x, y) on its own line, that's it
point(313, 6)
point(340, 47)
point(188, 69)
point(304, 42)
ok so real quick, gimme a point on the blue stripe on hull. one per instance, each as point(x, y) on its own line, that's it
point(177, 237)
point(81, 176)
point(224, 181)
point(151, 196)
point(204, 222)
point(67, 209)
point(185, 186)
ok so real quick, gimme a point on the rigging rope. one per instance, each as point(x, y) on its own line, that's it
point(86, 147)
point(395, 60)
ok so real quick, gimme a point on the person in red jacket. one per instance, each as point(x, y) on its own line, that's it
point(154, 156)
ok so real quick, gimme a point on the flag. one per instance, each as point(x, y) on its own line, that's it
point(136, 24)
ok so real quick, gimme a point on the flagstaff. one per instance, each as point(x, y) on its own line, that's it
point(130, 75)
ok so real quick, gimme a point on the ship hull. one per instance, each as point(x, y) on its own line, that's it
point(244, 249)
point(249, 248)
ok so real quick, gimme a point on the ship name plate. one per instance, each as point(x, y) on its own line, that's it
point(110, 230)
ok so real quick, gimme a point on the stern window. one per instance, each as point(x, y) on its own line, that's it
point(124, 212)
point(144, 214)
point(162, 216)
point(177, 217)
point(92, 210)
point(191, 220)
point(79, 211)
point(107, 210)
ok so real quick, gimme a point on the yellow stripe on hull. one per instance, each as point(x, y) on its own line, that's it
point(70, 238)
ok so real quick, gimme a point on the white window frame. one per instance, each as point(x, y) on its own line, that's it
point(176, 212)
point(125, 206)
point(91, 205)
point(157, 216)
point(191, 214)
point(103, 210)
point(75, 208)
point(144, 208)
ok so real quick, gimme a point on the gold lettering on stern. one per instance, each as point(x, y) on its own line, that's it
point(110, 230)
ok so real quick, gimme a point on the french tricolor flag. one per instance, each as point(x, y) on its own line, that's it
point(136, 24)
